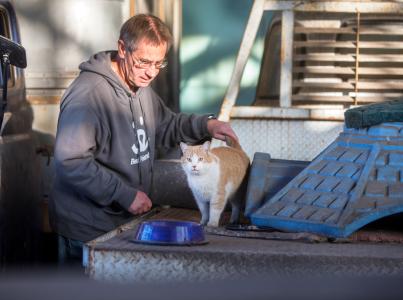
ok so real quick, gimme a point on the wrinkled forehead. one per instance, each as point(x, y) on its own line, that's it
point(150, 52)
point(146, 45)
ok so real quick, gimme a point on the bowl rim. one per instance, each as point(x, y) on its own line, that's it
point(193, 223)
point(159, 243)
point(182, 223)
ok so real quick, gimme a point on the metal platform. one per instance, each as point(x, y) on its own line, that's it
point(356, 180)
point(115, 258)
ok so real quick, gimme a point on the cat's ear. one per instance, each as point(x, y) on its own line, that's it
point(183, 146)
point(206, 145)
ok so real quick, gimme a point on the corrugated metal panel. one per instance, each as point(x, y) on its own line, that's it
point(353, 58)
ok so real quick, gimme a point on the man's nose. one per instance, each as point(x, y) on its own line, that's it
point(152, 71)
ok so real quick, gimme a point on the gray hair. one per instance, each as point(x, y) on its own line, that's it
point(145, 27)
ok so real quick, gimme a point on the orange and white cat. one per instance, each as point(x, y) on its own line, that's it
point(214, 176)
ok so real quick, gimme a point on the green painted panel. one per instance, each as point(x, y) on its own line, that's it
point(211, 37)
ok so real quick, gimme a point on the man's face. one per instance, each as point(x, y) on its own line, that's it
point(141, 66)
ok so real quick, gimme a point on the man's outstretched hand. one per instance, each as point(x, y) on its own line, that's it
point(219, 130)
point(141, 204)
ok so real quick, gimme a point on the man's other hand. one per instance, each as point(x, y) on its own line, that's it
point(141, 204)
point(219, 130)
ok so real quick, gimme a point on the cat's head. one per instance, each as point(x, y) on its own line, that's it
point(196, 160)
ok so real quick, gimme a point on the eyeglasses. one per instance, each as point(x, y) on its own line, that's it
point(146, 64)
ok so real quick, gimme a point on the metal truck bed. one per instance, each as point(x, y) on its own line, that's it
point(114, 257)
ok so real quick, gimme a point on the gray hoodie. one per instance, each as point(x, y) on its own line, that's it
point(104, 148)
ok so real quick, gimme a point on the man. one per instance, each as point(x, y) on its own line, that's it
point(109, 125)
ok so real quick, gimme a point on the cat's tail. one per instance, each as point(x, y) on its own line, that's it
point(232, 143)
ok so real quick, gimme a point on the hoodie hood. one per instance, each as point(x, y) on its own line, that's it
point(100, 63)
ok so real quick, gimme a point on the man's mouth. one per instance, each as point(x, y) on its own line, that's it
point(143, 80)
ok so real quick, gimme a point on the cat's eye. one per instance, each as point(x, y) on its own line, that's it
point(200, 158)
point(189, 159)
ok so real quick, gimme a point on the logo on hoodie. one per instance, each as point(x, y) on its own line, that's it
point(142, 144)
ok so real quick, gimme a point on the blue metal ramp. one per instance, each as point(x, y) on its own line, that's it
point(356, 180)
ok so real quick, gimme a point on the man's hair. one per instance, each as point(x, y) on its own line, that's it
point(145, 27)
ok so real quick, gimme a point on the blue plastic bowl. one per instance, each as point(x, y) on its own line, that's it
point(167, 232)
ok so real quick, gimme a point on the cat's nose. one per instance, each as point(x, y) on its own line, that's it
point(193, 167)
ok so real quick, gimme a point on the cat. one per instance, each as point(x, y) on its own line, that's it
point(214, 176)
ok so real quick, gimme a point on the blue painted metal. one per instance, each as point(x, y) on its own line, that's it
point(267, 177)
point(356, 180)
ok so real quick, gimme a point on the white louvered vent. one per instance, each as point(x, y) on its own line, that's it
point(347, 59)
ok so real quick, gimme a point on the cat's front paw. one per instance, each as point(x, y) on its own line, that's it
point(212, 224)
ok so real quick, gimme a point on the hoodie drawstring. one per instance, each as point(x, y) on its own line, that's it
point(136, 138)
point(146, 130)
point(136, 141)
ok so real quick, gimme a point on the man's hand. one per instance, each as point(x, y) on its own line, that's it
point(141, 204)
point(219, 130)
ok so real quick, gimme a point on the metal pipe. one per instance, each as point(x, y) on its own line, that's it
point(287, 37)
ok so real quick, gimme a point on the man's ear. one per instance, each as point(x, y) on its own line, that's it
point(121, 49)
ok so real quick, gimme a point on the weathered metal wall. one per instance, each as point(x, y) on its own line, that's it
point(58, 35)
point(290, 130)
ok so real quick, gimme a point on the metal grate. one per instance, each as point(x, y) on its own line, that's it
point(347, 58)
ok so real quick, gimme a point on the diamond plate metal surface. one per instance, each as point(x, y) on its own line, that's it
point(113, 257)
point(283, 139)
